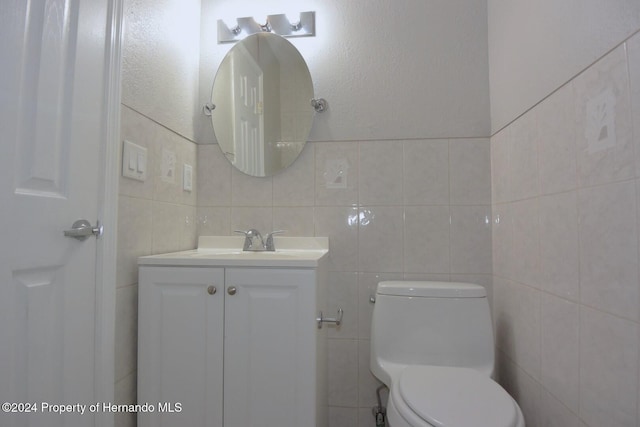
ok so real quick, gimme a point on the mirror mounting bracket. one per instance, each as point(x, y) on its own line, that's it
point(319, 104)
point(208, 108)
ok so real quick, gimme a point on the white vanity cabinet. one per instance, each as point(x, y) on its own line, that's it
point(269, 337)
point(180, 351)
point(235, 345)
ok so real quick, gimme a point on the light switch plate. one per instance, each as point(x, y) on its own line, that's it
point(187, 177)
point(141, 164)
point(134, 161)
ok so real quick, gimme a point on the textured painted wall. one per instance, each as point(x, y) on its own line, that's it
point(161, 52)
point(536, 46)
point(407, 69)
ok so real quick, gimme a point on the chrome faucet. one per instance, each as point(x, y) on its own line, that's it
point(250, 243)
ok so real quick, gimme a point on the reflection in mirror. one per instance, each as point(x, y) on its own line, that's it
point(262, 114)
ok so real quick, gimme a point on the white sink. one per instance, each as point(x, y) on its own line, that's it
point(285, 254)
point(227, 250)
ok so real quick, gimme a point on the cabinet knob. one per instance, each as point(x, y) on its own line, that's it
point(231, 290)
point(212, 290)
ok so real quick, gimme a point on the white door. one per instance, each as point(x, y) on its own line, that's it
point(52, 119)
point(248, 125)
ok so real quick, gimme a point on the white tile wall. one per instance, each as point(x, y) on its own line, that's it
point(608, 369)
point(596, 165)
point(380, 239)
point(340, 225)
point(557, 142)
point(213, 179)
point(470, 185)
point(381, 173)
point(343, 372)
point(343, 417)
point(418, 209)
point(153, 217)
point(297, 186)
point(522, 167)
point(559, 348)
point(427, 245)
point(250, 191)
point(470, 231)
point(525, 249)
point(565, 251)
point(428, 180)
point(554, 414)
point(343, 293)
point(135, 236)
point(633, 53)
point(609, 248)
point(559, 268)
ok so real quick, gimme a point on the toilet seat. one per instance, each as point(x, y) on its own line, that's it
point(455, 397)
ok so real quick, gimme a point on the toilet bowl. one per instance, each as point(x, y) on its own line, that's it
point(432, 345)
point(435, 396)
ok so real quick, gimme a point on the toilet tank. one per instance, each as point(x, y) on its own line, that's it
point(431, 323)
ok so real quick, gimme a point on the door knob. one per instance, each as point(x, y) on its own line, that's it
point(81, 229)
point(212, 290)
point(231, 290)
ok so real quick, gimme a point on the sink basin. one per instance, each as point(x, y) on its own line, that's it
point(246, 254)
point(227, 251)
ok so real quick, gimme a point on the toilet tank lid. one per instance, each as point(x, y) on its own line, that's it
point(431, 289)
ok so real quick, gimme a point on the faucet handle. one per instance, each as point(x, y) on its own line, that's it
point(249, 233)
point(269, 243)
point(248, 239)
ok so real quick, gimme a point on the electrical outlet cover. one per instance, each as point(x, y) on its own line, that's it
point(600, 129)
point(336, 172)
point(168, 168)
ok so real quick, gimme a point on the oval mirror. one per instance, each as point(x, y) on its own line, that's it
point(262, 115)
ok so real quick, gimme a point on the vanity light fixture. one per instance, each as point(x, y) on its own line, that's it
point(278, 24)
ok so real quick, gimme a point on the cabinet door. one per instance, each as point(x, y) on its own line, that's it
point(269, 348)
point(180, 340)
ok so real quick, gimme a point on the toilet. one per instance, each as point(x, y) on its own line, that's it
point(432, 345)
